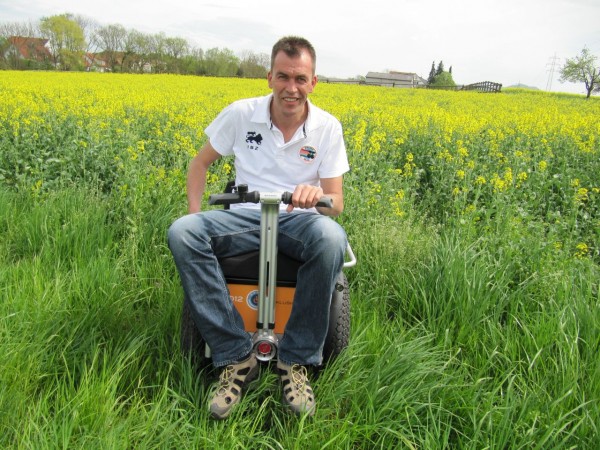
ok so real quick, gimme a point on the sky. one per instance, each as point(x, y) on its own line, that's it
point(508, 42)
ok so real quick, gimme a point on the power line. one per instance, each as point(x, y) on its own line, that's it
point(552, 65)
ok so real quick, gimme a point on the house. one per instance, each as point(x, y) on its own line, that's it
point(395, 79)
point(106, 61)
point(94, 62)
point(28, 48)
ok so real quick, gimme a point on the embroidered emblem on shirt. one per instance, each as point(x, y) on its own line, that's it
point(253, 139)
point(307, 153)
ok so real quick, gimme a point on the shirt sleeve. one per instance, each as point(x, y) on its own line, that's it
point(221, 131)
point(335, 162)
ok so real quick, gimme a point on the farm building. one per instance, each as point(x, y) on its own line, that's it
point(395, 79)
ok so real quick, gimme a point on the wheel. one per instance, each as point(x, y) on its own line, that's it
point(338, 334)
point(191, 341)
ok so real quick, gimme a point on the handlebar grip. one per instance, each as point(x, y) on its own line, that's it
point(325, 201)
point(252, 197)
point(235, 197)
point(223, 199)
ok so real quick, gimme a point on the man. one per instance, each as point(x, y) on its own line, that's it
point(281, 142)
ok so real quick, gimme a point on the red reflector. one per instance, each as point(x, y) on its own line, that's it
point(264, 348)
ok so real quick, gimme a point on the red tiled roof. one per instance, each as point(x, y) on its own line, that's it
point(30, 48)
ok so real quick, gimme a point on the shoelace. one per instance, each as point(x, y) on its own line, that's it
point(225, 379)
point(299, 377)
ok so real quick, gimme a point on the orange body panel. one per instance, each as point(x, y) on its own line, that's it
point(245, 300)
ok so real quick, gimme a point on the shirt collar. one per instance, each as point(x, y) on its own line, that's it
point(262, 114)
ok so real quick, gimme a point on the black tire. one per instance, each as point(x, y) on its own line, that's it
point(338, 334)
point(191, 341)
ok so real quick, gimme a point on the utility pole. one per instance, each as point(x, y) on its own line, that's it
point(552, 65)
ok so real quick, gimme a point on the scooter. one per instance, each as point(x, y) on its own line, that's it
point(262, 284)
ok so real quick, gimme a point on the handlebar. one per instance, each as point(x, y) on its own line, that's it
point(240, 194)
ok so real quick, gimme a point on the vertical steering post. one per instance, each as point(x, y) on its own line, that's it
point(267, 283)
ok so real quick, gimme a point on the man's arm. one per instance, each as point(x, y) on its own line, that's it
point(334, 188)
point(306, 196)
point(196, 177)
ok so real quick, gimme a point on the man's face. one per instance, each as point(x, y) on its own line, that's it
point(291, 79)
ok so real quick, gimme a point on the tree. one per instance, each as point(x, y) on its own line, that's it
point(254, 65)
point(89, 27)
point(157, 52)
point(582, 69)
point(192, 62)
point(111, 39)
point(3, 49)
point(137, 49)
point(443, 80)
point(431, 77)
point(440, 68)
point(66, 41)
point(221, 63)
point(439, 78)
point(18, 29)
point(175, 48)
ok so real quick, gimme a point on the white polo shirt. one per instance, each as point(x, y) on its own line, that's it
point(264, 161)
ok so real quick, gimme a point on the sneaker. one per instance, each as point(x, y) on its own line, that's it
point(231, 381)
point(297, 392)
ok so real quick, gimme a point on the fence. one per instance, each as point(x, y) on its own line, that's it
point(483, 86)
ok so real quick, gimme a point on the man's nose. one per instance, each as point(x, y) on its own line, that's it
point(291, 86)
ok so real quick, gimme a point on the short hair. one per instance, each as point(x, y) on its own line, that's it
point(291, 46)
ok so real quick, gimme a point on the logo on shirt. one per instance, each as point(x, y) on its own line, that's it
point(307, 154)
point(253, 139)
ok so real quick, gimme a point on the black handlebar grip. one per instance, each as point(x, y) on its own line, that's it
point(252, 197)
point(235, 197)
point(223, 199)
point(325, 202)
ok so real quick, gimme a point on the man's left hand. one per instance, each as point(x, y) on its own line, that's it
point(305, 197)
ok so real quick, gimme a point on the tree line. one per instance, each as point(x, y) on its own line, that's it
point(76, 42)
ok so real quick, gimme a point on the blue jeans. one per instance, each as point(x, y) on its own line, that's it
point(319, 242)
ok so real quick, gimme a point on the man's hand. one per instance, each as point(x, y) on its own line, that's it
point(305, 197)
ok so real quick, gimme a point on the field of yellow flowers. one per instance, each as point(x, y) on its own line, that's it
point(460, 155)
point(475, 219)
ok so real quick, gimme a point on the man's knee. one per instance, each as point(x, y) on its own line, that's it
point(176, 231)
point(336, 237)
point(330, 238)
point(184, 230)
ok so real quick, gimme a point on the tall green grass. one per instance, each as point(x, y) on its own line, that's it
point(457, 341)
point(475, 305)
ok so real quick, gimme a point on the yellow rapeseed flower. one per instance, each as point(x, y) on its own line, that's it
point(582, 250)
